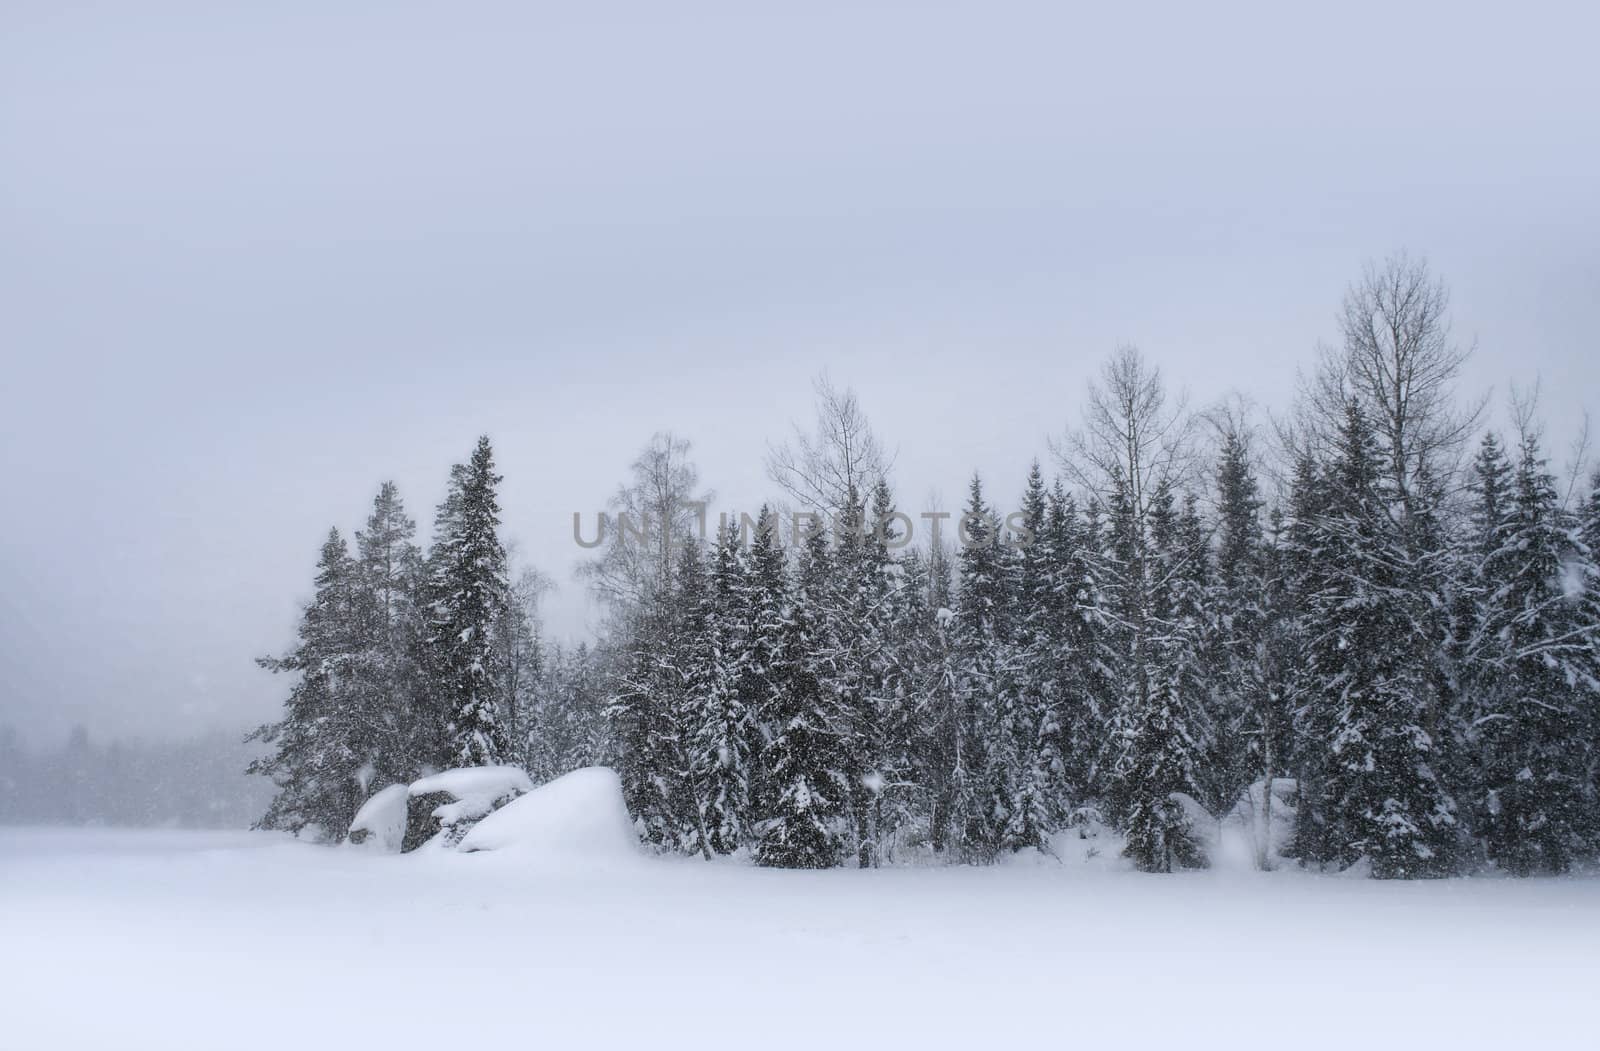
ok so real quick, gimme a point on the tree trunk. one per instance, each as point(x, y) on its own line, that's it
point(1264, 848)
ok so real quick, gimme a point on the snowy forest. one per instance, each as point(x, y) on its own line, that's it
point(1371, 609)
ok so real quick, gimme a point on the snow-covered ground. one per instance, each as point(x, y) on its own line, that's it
point(212, 940)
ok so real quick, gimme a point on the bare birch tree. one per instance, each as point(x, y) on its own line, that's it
point(519, 649)
point(1133, 435)
point(651, 516)
point(842, 459)
point(1400, 362)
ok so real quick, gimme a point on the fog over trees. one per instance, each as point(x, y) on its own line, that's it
point(1367, 609)
point(194, 783)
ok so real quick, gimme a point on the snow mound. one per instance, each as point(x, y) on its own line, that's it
point(578, 817)
point(381, 821)
point(477, 790)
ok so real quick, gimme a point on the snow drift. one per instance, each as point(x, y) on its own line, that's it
point(576, 817)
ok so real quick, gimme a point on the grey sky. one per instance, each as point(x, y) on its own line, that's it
point(256, 258)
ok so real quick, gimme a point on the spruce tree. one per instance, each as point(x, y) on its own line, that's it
point(388, 626)
point(1033, 747)
point(908, 663)
point(1169, 727)
point(1307, 572)
point(940, 705)
point(520, 667)
point(1589, 519)
point(1091, 686)
point(766, 587)
point(1473, 653)
point(1123, 563)
point(892, 614)
point(1370, 657)
point(1275, 677)
point(468, 588)
point(642, 716)
point(1243, 712)
point(804, 755)
point(560, 732)
point(691, 671)
point(1535, 685)
point(659, 702)
point(853, 607)
point(320, 756)
point(720, 729)
point(986, 769)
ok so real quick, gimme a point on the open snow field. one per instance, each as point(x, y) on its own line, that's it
point(237, 940)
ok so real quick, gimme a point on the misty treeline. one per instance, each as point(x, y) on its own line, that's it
point(410, 663)
point(1371, 603)
point(187, 784)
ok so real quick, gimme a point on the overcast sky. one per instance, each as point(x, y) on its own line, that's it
point(255, 258)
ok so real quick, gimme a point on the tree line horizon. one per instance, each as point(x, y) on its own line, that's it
point(1402, 641)
point(969, 529)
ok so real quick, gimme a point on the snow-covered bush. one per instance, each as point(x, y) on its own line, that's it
point(580, 816)
point(442, 807)
point(458, 799)
point(381, 821)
